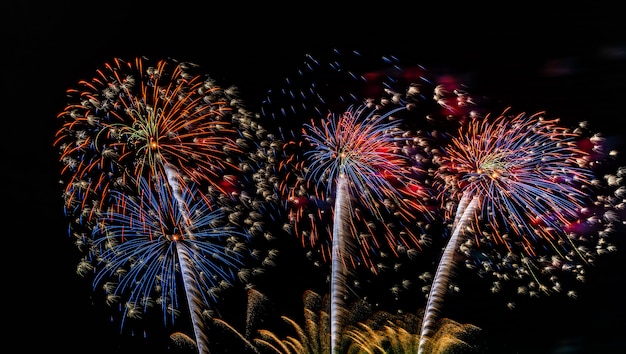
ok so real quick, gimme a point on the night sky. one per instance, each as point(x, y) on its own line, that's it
point(570, 62)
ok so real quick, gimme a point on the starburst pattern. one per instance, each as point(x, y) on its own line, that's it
point(351, 121)
point(133, 118)
point(523, 184)
point(353, 157)
point(360, 147)
point(160, 238)
point(530, 174)
point(547, 194)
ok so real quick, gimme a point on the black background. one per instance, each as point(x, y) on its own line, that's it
point(569, 61)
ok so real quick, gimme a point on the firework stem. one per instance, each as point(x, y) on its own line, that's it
point(466, 209)
point(340, 237)
point(192, 289)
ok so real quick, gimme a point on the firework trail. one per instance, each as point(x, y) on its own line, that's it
point(341, 245)
point(144, 125)
point(528, 187)
point(444, 272)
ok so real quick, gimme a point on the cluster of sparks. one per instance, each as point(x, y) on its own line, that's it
point(169, 179)
point(550, 198)
point(366, 330)
point(162, 186)
point(365, 141)
point(361, 147)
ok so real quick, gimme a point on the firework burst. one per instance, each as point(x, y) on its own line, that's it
point(352, 160)
point(133, 118)
point(358, 149)
point(162, 237)
point(356, 125)
point(530, 174)
point(529, 201)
